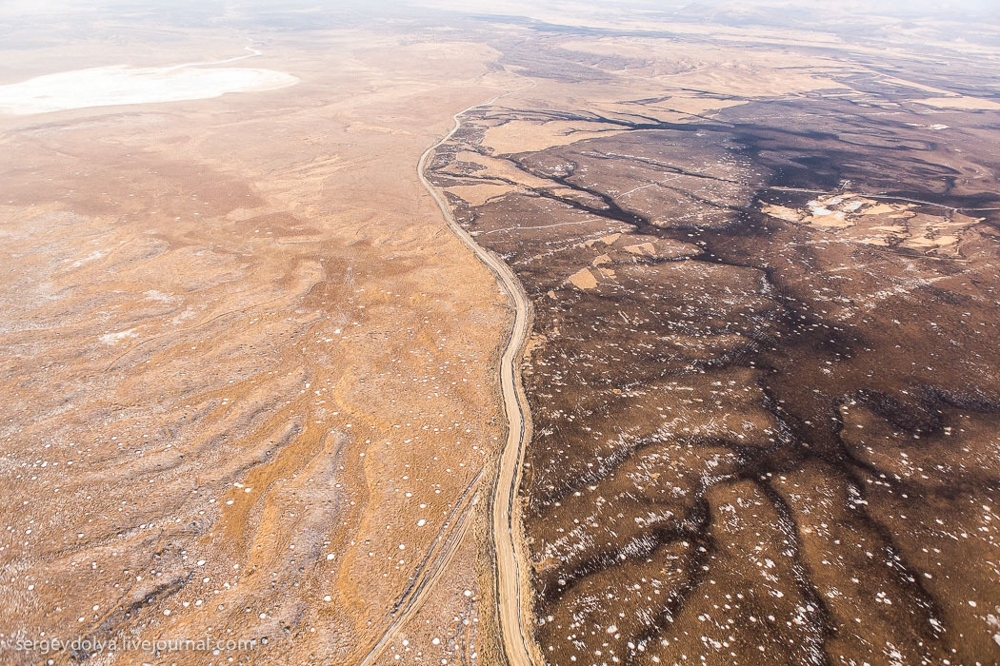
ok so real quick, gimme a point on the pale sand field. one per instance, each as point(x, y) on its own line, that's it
point(963, 103)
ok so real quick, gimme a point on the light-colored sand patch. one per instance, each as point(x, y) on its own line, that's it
point(676, 109)
point(782, 213)
point(583, 279)
point(881, 209)
point(699, 105)
point(114, 338)
point(726, 71)
point(477, 195)
point(524, 136)
point(158, 296)
point(861, 220)
point(504, 169)
point(747, 80)
point(120, 85)
point(657, 248)
point(920, 243)
point(916, 86)
point(931, 232)
point(647, 249)
point(964, 103)
point(829, 220)
point(963, 221)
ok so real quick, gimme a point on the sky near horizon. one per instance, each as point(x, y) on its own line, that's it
point(52, 21)
point(13, 8)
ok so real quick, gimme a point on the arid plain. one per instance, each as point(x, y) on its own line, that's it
point(251, 376)
point(243, 395)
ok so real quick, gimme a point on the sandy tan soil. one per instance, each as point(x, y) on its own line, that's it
point(966, 103)
point(244, 395)
point(866, 221)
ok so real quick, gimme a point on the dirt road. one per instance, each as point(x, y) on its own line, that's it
point(513, 616)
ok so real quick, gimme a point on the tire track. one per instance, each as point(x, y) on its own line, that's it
point(512, 606)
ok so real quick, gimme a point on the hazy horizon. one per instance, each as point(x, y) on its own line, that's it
point(901, 8)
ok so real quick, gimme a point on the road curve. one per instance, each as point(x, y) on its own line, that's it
point(515, 627)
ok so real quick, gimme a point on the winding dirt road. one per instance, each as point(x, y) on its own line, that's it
point(514, 617)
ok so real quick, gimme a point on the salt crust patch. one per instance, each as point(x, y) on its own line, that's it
point(120, 84)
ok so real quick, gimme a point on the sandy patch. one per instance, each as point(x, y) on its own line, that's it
point(880, 209)
point(822, 216)
point(477, 195)
point(120, 85)
point(726, 71)
point(583, 279)
point(647, 249)
point(607, 240)
point(503, 169)
point(869, 222)
point(964, 103)
point(781, 213)
point(699, 105)
point(114, 338)
point(525, 136)
point(675, 109)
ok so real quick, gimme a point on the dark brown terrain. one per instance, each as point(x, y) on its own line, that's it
point(763, 373)
point(256, 389)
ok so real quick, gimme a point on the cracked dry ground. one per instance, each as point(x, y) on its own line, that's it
point(757, 440)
